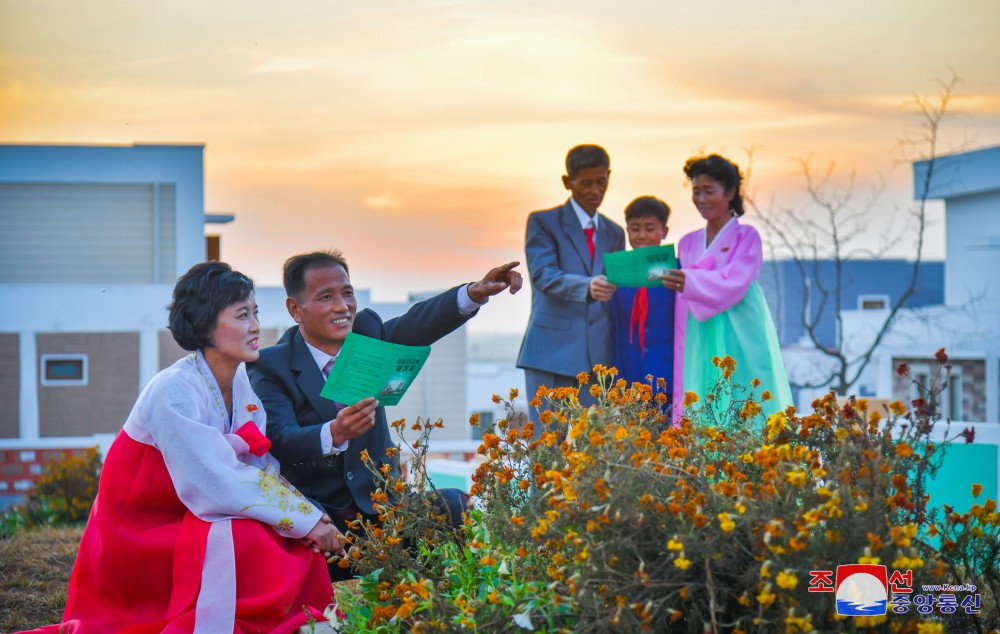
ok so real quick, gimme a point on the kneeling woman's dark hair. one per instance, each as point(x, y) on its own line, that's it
point(199, 296)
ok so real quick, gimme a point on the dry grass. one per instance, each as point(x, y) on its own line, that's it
point(35, 566)
point(34, 575)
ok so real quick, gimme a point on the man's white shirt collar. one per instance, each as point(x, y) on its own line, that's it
point(581, 215)
point(321, 358)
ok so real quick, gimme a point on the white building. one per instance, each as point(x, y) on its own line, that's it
point(967, 325)
point(92, 240)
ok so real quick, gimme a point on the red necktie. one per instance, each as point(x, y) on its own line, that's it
point(640, 308)
point(590, 241)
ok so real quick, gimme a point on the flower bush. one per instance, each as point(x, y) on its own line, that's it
point(612, 518)
point(62, 495)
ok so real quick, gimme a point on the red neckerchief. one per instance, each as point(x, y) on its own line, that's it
point(640, 308)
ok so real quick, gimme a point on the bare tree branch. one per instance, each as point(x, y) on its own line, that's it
point(819, 240)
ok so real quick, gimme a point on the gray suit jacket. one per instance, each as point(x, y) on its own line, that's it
point(567, 332)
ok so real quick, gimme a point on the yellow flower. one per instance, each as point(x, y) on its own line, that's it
point(675, 546)
point(795, 478)
point(775, 423)
point(766, 598)
point(786, 580)
point(930, 628)
point(725, 523)
point(976, 489)
point(682, 563)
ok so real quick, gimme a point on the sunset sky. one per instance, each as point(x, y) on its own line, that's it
point(416, 136)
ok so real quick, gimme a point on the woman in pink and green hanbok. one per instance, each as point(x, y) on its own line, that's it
point(720, 309)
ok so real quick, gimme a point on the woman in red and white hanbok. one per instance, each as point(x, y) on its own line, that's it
point(193, 530)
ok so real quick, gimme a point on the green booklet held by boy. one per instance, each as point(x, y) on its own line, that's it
point(639, 267)
point(371, 367)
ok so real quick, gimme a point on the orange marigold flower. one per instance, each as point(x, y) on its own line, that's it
point(874, 542)
point(474, 420)
point(488, 560)
point(582, 378)
point(602, 488)
point(496, 398)
point(690, 398)
point(904, 450)
point(976, 489)
point(517, 520)
point(750, 410)
point(595, 390)
point(766, 396)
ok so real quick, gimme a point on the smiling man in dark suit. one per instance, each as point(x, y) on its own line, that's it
point(318, 442)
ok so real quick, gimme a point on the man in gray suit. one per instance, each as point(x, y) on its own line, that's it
point(569, 330)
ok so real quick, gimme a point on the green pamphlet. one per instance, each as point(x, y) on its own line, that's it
point(371, 367)
point(639, 267)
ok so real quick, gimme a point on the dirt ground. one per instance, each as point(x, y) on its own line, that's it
point(34, 575)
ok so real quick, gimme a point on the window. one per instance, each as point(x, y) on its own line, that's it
point(950, 405)
point(485, 422)
point(64, 369)
point(873, 302)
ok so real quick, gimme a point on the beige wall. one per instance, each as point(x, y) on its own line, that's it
point(104, 403)
point(10, 385)
point(170, 352)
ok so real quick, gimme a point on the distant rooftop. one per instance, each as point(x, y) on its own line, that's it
point(962, 174)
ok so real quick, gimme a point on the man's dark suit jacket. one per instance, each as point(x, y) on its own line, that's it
point(286, 379)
